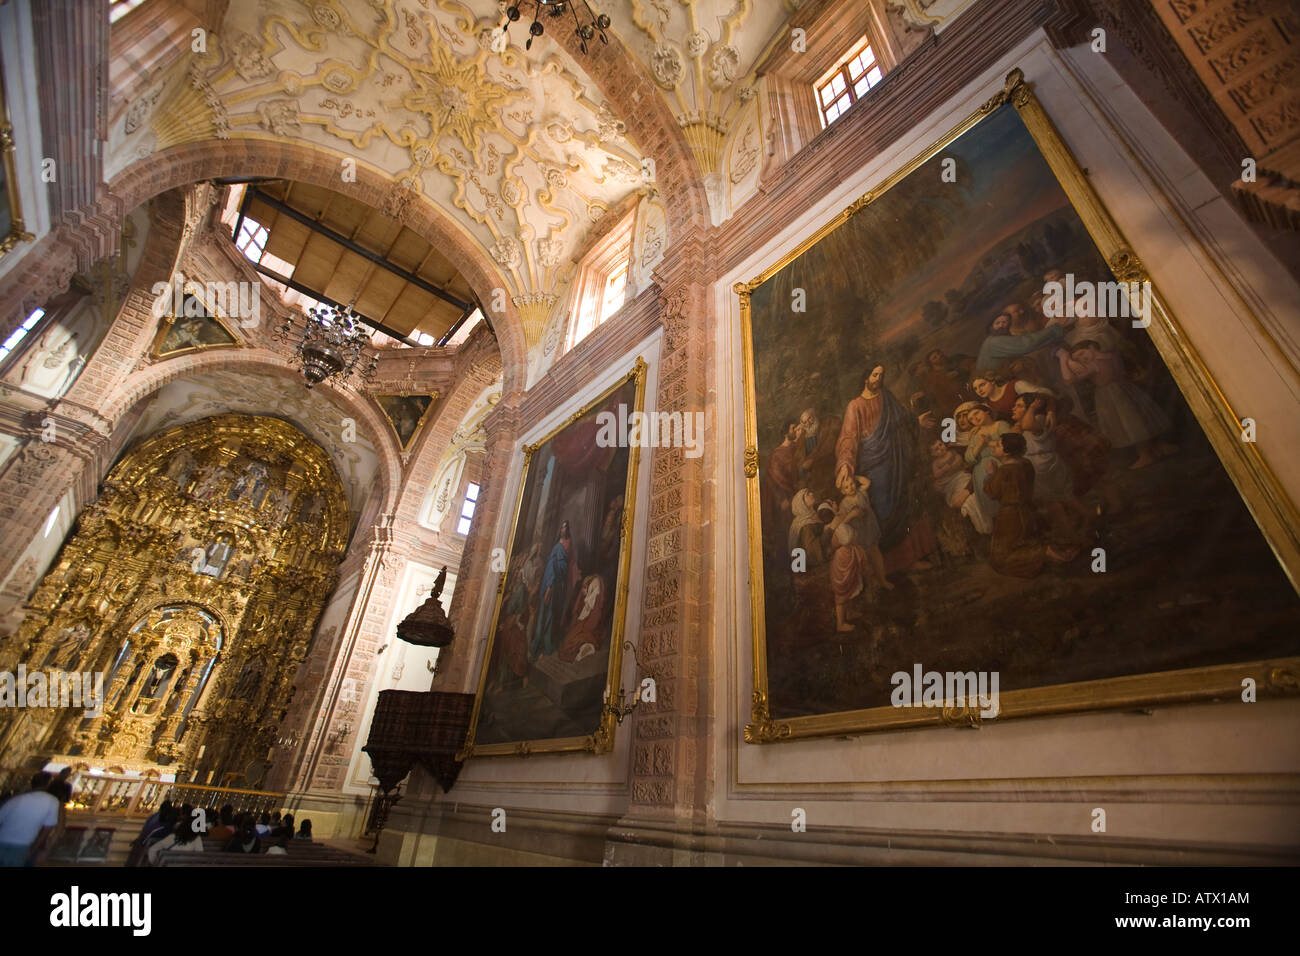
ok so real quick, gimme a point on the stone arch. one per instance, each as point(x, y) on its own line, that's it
point(145, 382)
point(637, 101)
point(316, 165)
point(132, 327)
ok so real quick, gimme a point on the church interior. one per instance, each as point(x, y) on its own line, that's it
point(656, 432)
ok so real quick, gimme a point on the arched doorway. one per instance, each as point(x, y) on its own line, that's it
point(188, 595)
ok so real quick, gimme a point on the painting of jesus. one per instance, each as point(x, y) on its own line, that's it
point(1014, 484)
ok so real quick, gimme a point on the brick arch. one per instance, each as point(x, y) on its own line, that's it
point(475, 369)
point(636, 99)
point(145, 382)
point(318, 166)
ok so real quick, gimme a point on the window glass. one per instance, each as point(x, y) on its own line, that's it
point(467, 509)
point(20, 333)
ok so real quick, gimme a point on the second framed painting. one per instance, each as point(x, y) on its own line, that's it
point(554, 653)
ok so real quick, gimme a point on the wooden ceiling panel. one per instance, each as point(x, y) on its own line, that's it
point(376, 233)
point(378, 302)
point(333, 240)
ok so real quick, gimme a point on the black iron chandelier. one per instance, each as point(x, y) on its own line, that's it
point(585, 26)
point(332, 345)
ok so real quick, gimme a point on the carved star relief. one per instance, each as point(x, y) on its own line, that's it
point(457, 99)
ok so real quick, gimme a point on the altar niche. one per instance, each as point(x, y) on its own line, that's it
point(193, 585)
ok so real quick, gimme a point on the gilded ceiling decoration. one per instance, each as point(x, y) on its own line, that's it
point(192, 585)
point(518, 146)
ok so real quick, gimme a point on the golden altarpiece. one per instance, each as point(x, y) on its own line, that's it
point(193, 584)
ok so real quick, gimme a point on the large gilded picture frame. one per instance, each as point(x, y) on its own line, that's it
point(184, 334)
point(13, 229)
point(555, 648)
point(1021, 532)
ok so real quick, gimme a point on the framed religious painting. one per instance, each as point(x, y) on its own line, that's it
point(986, 474)
point(555, 651)
point(191, 325)
point(406, 413)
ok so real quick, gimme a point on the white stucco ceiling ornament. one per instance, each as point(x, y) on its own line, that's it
point(608, 126)
point(549, 252)
point(929, 14)
point(506, 253)
point(724, 40)
point(668, 66)
point(502, 141)
point(724, 67)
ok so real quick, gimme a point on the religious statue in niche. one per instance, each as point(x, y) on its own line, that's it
point(66, 652)
point(210, 484)
point(155, 686)
point(311, 509)
point(211, 561)
point(281, 504)
point(180, 468)
point(251, 484)
point(250, 678)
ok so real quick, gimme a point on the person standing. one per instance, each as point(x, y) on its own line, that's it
point(878, 440)
point(814, 453)
point(561, 569)
point(27, 823)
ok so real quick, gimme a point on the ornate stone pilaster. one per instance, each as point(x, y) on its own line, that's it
point(326, 753)
point(670, 754)
point(455, 663)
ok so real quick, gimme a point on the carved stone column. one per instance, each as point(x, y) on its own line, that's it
point(325, 765)
point(671, 776)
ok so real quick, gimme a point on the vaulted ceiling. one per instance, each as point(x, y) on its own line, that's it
point(702, 54)
point(519, 146)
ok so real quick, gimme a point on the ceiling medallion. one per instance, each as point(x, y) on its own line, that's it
point(332, 345)
point(586, 26)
